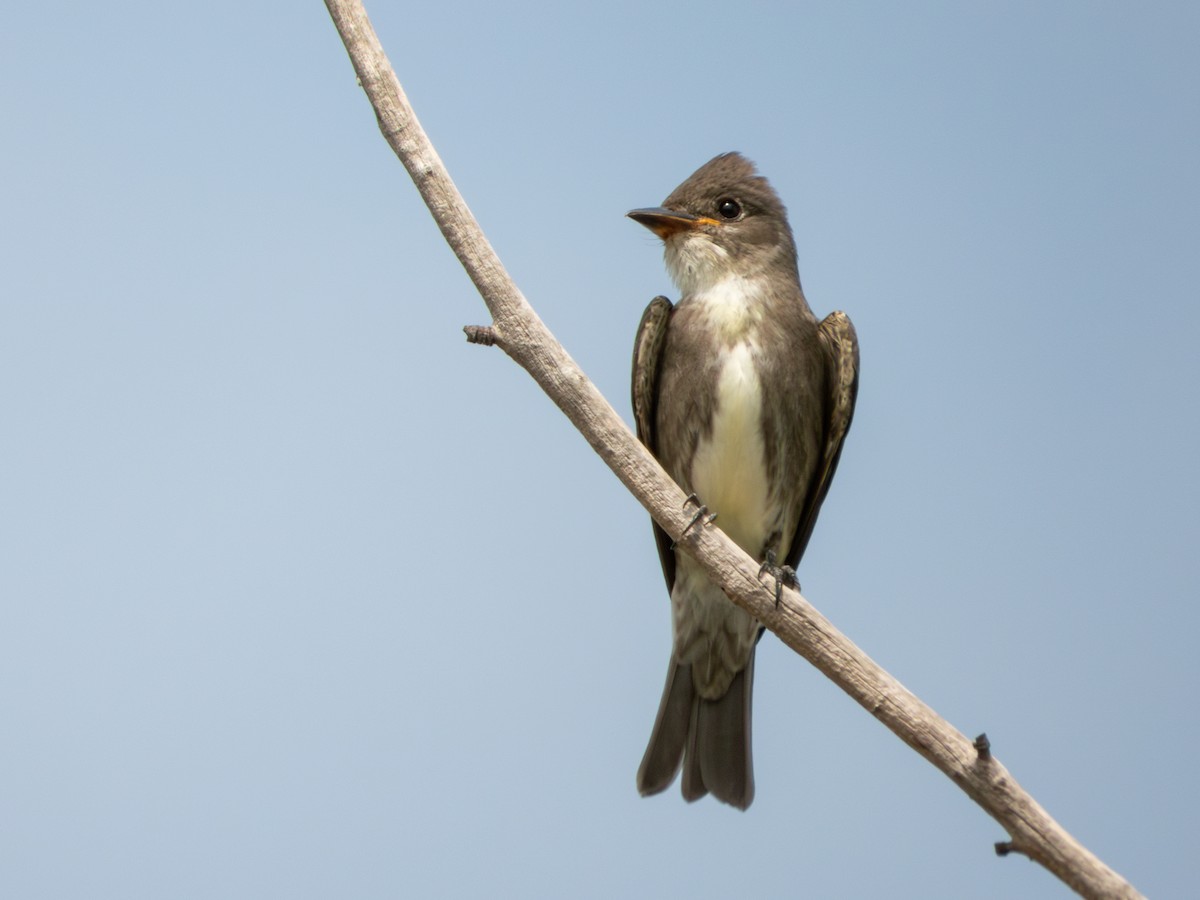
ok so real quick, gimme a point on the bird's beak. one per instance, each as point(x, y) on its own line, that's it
point(666, 222)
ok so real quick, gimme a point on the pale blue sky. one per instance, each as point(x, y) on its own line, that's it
point(302, 596)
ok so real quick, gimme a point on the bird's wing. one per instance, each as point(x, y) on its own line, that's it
point(647, 357)
point(839, 346)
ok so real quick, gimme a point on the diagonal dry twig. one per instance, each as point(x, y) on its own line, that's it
point(517, 330)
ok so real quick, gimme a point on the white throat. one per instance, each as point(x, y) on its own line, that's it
point(695, 262)
point(732, 307)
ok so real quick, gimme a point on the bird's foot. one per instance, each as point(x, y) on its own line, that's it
point(782, 575)
point(702, 513)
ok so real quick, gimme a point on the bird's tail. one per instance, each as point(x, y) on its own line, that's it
point(711, 738)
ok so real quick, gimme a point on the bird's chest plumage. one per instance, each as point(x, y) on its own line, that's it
point(729, 467)
point(713, 416)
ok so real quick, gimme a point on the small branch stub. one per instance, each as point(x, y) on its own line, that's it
point(983, 747)
point(480, 334)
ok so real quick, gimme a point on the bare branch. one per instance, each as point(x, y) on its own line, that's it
point(517, 330)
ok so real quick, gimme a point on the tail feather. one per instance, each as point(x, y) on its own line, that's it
point(723, 742)
point(692, 782)
point(710, 738)
point(665, 751)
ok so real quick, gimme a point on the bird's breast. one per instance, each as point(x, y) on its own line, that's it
point(729, 309)
point(729, 470)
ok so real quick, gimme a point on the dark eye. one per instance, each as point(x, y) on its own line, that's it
point(728, 208)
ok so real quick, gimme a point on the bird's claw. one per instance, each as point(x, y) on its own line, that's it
point(701, 513)
point(782, 575)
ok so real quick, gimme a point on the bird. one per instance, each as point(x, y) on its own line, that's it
point(745, 399)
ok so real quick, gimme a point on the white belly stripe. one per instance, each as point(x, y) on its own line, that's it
point(729, 470)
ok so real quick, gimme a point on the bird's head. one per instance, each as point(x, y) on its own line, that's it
point(724, 221)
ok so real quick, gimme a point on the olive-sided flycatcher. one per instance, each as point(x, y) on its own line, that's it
point(745, 398)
